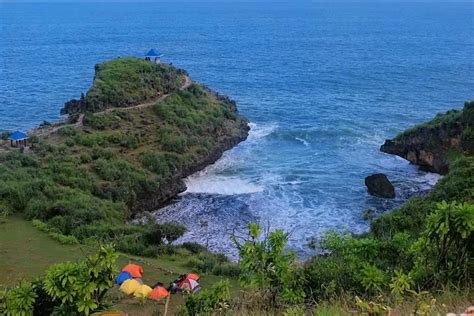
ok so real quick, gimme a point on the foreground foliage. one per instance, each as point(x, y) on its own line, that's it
point(72, 288)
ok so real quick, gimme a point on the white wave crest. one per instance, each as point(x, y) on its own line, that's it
point(302, 141)
point(220, 185)
point(259, 131)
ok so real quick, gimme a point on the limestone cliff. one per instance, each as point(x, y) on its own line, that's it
point(433, 144)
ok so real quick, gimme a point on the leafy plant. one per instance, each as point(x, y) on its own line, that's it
point(266, 267)
point(81, 287)
point(450, 228)
point(372, 278)
point(215, 301)
point(19, 300)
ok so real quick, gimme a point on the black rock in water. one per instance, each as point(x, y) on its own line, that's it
point(379, 185)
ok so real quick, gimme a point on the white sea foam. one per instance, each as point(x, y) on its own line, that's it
point(222, 185)
point(260, 131)
point(219, 178)
point(302, 141)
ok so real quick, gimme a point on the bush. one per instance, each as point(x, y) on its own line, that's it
point(468, 114)
point(67, 131)
point(208, 302)
point(53, 233)
point(230, 270)
point(19, 300)
point(279, 284)
point(467, 139)
point(164, 233)
point(81, 287)
point(154, 162)
point(100, 122)
point(194, 247)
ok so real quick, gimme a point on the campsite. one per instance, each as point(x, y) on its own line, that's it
point(27, 253)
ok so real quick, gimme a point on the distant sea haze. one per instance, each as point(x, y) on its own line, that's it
point(323, 84)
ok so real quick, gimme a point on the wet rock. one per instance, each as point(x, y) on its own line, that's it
point(379, 185)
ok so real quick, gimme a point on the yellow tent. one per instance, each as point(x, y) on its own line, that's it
point(142, 291)
point(110, 313)
point(130, 286)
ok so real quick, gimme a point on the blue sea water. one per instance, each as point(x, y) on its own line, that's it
point(324, 84)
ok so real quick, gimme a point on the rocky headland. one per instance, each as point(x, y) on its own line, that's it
point(124, 149)
point(432, 145)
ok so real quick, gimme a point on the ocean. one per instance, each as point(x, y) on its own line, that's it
point(323, 85)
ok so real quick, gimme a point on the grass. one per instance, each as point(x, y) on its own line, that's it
point(126, 82)
point(26, 253)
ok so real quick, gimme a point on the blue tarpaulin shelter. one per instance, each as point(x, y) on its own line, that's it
point(16, 136)
point(19, 138)
point(152, 53)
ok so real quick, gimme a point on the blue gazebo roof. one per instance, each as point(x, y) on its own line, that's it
point(18, 136)
point(153, 53)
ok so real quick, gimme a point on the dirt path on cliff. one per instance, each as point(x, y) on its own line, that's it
point(80, 121)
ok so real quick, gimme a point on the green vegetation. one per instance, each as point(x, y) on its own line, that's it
point(126, 82)
point(442, 120)
point(85, 181)
point(80, 185)
point(458, 124)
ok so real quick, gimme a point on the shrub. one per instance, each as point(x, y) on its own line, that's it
point(81, 287)
point(164, 233)
point(90, 140)
point(467, 139)
point(208, 302)
point(85, 158)
point(193, 247)
point(53, 233)
point(468, 114)
point(67, 131)
point(154, 162)
point(230, 270)
point(451, 230)
point(100, 122)
point(19, 300)
point(268, 268)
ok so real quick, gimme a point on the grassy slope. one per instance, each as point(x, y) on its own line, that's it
point(26, 253)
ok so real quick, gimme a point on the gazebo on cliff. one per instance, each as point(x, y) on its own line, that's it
point(18, 138)
point(153, 55)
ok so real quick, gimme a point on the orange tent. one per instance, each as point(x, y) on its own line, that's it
point(135, 270)
point(159, 293)
point(193, 276)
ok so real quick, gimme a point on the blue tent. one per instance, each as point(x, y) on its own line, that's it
point(122, 277)
point(153, 53)
point(18, 136)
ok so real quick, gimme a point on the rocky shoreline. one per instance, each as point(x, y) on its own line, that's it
point(176, 185)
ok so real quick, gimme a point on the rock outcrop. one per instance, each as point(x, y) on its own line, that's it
point(379, 185)
point(432, 144)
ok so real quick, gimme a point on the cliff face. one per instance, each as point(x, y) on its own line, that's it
point(176, 185)
point(432, 144)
